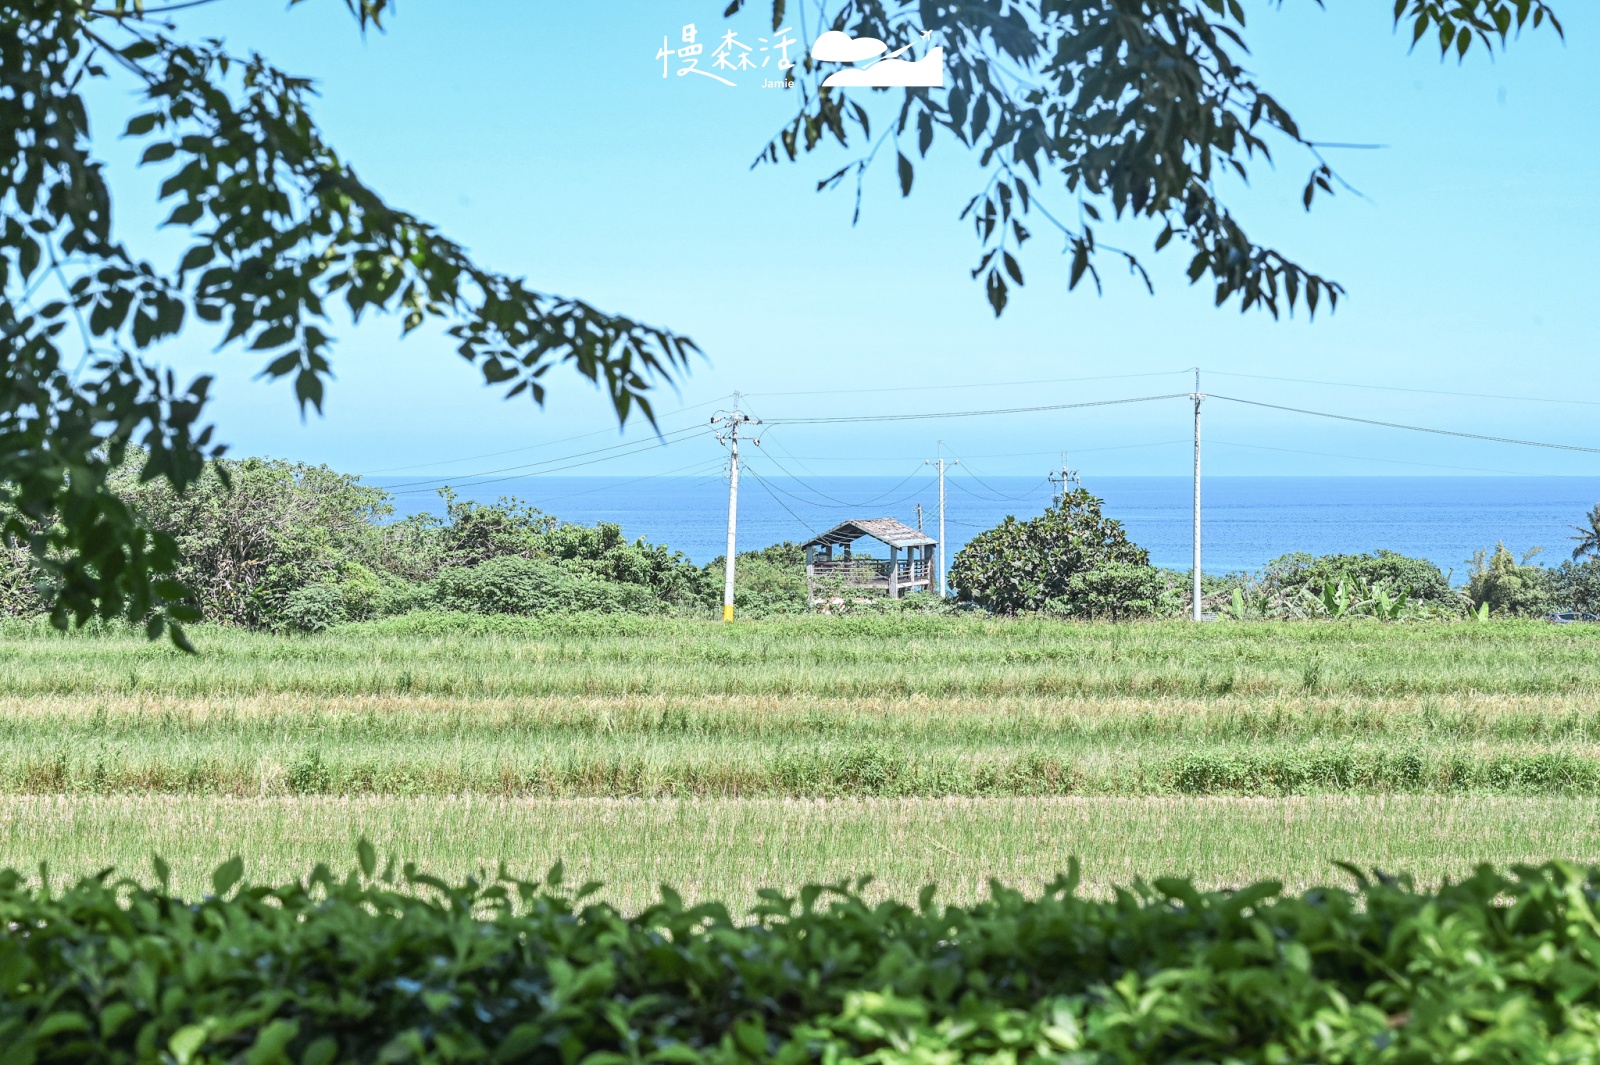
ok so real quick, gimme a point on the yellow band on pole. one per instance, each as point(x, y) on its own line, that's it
point(727, 612)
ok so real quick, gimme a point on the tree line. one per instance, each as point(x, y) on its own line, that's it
point(274, 545)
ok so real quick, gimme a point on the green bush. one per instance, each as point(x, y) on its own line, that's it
point(1497, 968)
point(768, 582)
point(514, 585)
point(313, 608)
point(1507, 587)
point(1024, 565)
point(1576, 585)
point(1391, 570)
point(1120, 590)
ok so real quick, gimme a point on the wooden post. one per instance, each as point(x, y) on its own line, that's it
point(894, 572)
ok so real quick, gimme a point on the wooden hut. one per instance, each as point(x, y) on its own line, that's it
point(829, 556)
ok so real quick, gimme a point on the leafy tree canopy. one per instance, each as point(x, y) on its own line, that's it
point(1087, 110)
point(1024, 565)
point(282, 231)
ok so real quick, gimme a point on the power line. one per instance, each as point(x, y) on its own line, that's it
point(1005, 455)
point(835, 499)
point(1399, 388)
point(647, 445)
point(697, 467)
point(762, 481)
point(1365, 458)
point(1409, 428)
point(1000, 497)
point(838, 504)
point(972, 413)
point(529, 447)
point(967, 387)
point(542, 473)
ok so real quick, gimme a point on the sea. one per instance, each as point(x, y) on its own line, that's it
point(1245, 521)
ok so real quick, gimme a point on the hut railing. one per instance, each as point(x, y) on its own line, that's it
point(871, 570)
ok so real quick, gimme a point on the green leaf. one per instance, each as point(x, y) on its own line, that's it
point(139, 125)
point(185, 1041)
point(905, 175)
point(271, 1044)
point(366, 856)
point(227, 875)
point(65, 1021)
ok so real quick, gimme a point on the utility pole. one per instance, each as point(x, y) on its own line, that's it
point(1063, 482)
point(728, 433)
point(942, 465)
point(919, 517)
point(1197, 396)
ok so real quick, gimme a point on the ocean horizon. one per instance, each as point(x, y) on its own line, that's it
point(1247, 521)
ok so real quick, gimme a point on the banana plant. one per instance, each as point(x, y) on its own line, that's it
point(1336, 602)
point(1236, 605)
point(1391, 611)
point(1481, 614)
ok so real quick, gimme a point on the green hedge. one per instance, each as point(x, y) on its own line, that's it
point(1497, 968)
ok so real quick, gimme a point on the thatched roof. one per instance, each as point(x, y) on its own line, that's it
point(892, 532)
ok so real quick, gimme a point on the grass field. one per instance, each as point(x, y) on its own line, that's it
point(720, 758)
point(727, 849)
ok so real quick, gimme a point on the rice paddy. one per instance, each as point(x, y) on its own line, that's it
point(721, 759)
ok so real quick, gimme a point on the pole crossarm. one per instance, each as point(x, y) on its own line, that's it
point(727, 432)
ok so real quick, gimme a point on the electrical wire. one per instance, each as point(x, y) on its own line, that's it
point(1005, 455)
point(958, 486)
point(530, 447)
point(847, 507)
point(965, 469)
point(540, 473)
point(697, 467)
point(971, 413)
point(1409, 428)
point(762, 481)
point(1399, 388)
point(835, 499)
point(968, 387)
point(1364, 458)
point(641, 445)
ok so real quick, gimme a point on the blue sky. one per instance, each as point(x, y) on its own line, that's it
point(543, 137)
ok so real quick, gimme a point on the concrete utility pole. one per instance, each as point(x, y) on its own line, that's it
point(1197, 396)
point(729, 434)
point(941, 464)
point(1063, 482)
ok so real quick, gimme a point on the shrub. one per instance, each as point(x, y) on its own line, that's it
point(767, 582)
point(1023, 565)
point(312, 609)
point(1508, 587)
point(1290, 574)
point(282, 526)
point(1119, 590)
point(1576, 585)
point(515, 585)
point(1497, 968)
